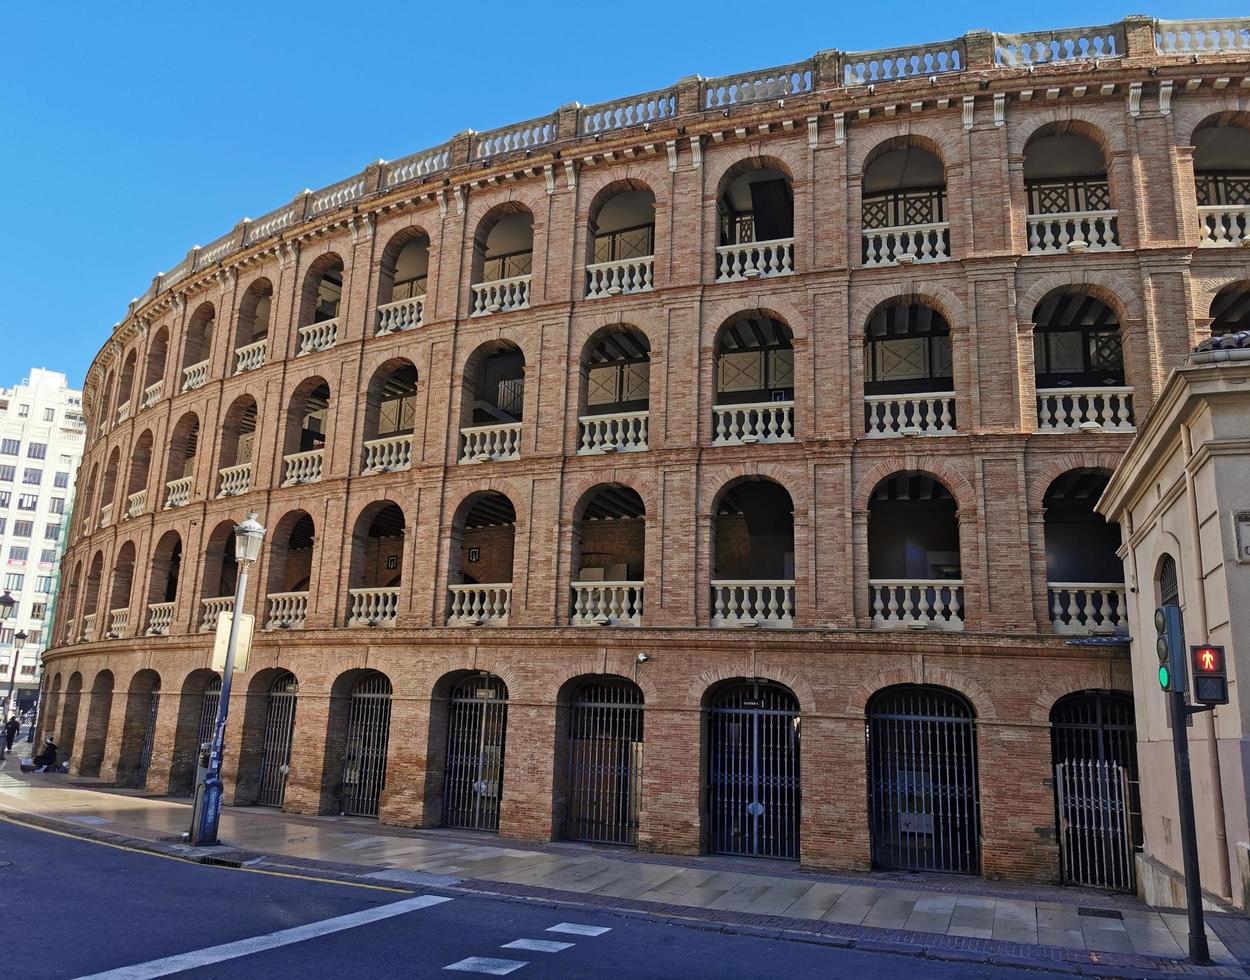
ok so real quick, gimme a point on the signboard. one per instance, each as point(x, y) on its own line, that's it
point(222, 640)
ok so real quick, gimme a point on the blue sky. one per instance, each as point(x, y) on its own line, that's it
point(131, 131)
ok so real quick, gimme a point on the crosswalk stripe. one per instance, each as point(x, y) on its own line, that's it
point(538, 945)
point(486, 964)
point(577, 929)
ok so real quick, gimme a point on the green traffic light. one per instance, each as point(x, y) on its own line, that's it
point(1165, 678)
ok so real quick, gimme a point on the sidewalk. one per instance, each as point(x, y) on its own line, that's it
point(945, 917)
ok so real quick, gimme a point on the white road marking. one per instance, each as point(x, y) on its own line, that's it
point(258, 944)
point(577, 929)
point(486, 964)
point(538, 945)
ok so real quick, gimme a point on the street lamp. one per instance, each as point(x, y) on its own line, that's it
point(19, 641)
point(248, 537)
point(34, 712)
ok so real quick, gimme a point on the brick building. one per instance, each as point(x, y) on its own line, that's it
point(708, 470)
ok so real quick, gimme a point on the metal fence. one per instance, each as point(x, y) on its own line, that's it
point(368, 735)
point(149, 736)
point(275, 763)
point(476, 733)
point(1095, 824)
point(605, 763)
point(208, 712)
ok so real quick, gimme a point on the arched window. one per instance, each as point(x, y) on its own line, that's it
point(1065, 178)
point(1230, 310)
point(904, 206)
point(137, 484)
point(753, 555)
point(480, 567)
point(180, 461)
point(621, 238)
point(197, 347)
point(503, 259)
point(119, 596)
point(754, 369)
point(390, 417)
point(305, 438)
point(251, 341)
point(154, 372)
point(377, 557)
point(755, 213)
point(609, 550)
point(615, 392)
point(163, 578)
point(1084, 575)
point(492, 403)
point(909, 386)
point(290, 571)
point(238, 443)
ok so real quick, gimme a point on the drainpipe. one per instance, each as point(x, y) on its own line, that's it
point(1200, 604)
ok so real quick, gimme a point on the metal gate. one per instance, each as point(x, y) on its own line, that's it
point(368, 733)
point(476, 730)
point(275, 763)
point(1097, 798)
point(753, 789)
point(923, 796)
point(605, 763)
point(149, 736)
point(208, 712)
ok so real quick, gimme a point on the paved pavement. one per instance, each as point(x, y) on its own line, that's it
point(961, 915)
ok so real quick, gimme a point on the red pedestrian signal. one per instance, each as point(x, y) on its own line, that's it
point(1210, 674)
point(1208, 660)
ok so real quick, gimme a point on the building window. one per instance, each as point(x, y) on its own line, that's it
point(43, 583)
point(56, 505)
point(60, 481)
point(37, 450)
point(27, 501)
point(52, 532)
point(23, 411)
point(5, 498)
point(9, 447)
point(39, 610)
point(19, 554)
point(8, 474)
point(47, 556)
point(49, 414)
point(32, 477)
point(67, 459)
point(34, 637)
point(13, 581)
point(23, 529)
point(3, 523)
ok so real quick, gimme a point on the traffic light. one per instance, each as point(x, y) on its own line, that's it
point(1170, 647)
point(1210, 674)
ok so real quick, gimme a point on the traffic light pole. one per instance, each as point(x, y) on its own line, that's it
point(1198, 951)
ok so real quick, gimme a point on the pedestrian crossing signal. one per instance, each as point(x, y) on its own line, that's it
point(1170, 650)
point(1210, 674)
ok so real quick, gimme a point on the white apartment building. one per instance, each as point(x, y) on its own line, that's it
point(41, 442)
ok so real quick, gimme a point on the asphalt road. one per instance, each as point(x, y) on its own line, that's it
point(72, 908)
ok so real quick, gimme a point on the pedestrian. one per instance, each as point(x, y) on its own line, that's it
point(46, 758)
point(10, 732)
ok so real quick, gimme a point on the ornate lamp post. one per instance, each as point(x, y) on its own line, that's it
point(247, 541)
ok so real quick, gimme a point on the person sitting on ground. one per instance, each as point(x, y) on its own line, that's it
point(47, 758)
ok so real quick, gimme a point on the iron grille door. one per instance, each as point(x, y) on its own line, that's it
point(275, 763)
point(924, 798)
point(368, 734)
point(208, 712)
point(476, 730)
point(605, 763)
point(753, 771)
point(149, 736)
point(1095, 824)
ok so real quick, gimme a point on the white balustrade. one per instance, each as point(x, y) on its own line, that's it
point(287, 610)
point(607, 604)
point(136, 503)
point(106, 514)
point(235, 480)
point(404, 314)
point(637, 110)
point(68, 635)
point(1223, 225)
point(1199, 37)
point(372, 607)
point(178, 492)
point(152, 394)
point(744, 425)
point(753, 603)
point(1050, 47)
point(160, 618)
point(479, 605)
point(337, 195)
point(758, 86)
point(623, 432)
point(620, 277)
point(754, 260)
point(119, 623)
point(123, 411)
point(1085, 409)
point(420, 164)
point(893, 64)
point(388, 454)
point(88, 628)
point(194, 376)
point(251, 356)
point(1083, 608)
point(519, 136)
point(1073, 231)
point(907, 244)
point(318, 336)
point(300, 468)
point(501, 295)
point(484, 443)
point(932, 413)
point(916, 603)
point(212, 610)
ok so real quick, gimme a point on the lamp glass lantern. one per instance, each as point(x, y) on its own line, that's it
point(7, 602)
point(247, 540)
point(19, 640)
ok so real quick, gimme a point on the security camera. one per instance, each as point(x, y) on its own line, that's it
point(643, 658)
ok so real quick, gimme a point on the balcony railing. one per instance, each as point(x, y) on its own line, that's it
point(607, 604)
point(623, 432)
point(194, 376)
point(235, 480)
point(212, 608)
point(160, 618)
point(907, 244)
point(1085, 409)
point(745, 425)
point(486, 443)
point(136, 503)
point(88, 628)
point(123, 411)
point(119, 623)
point(620, 277)
point(1223, 225)
point(755, 260)
point(916, 603)
point(1073, 231)
point(479, 605)
point(315, 337)
point(152, 394)
point(178, 492)
point(1087, 607)
point(372, 607)
point(753, 603)
point(106, 514)
point(1202, 37)
point(388, 454)
point(251, 356)
point(930, 414)
point(300, 468)
point(287, 610)
point(405, 314)
point(501, 295)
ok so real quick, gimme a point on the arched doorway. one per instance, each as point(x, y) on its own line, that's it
point(275, 763)
point(605, 762)
point(368, 735)
point(1097, 798)
point(139, 729)
point(99, 708)
point(753, 783)
point(476, 732)
point(923, 796)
